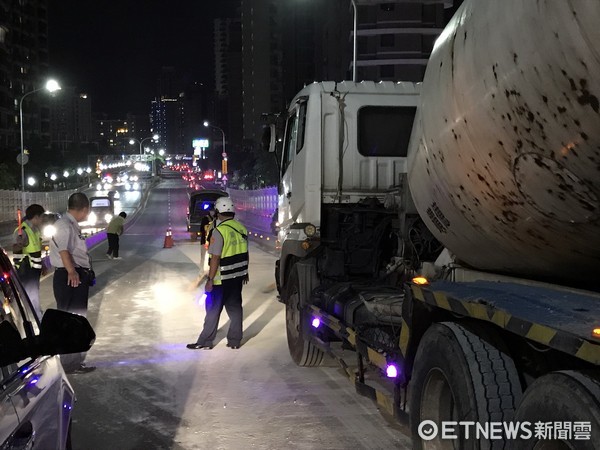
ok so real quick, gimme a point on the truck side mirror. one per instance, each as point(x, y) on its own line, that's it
point(269, 138)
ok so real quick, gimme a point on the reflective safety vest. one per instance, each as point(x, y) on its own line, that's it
point(33, 249)
point(234, 256)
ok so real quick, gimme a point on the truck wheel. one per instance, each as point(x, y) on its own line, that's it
point(565, 398)
point(194, 237)
point(458, 376)
point(302, 351)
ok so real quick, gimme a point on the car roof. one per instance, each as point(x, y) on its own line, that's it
point(101, 202)
point(209, 192)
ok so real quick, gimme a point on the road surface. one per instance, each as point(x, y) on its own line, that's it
point(150, 392)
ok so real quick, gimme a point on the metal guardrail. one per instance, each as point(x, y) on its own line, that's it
point(255, 208)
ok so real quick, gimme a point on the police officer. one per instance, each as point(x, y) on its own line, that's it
point(69, 255)
point(228, 271)
point(28, 239)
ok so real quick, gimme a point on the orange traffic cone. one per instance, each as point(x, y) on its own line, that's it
point(168, 239)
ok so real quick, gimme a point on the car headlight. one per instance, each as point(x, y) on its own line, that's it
point(310, 230)
point(98, 187)
point(49, 231)
point(108, 217)
point(92, 218)
point(136, 186)
point(128, 186)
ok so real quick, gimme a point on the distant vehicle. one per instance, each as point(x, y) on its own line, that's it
point(36, 396)
point(201, 202)
point(102, 210)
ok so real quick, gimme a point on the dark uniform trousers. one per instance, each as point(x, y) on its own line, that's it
point(228, 295)
point(74, 300)
point(30, 279)
point(113, 244)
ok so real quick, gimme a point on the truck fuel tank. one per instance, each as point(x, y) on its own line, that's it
point(504, 163)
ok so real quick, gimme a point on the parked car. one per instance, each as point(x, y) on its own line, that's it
point(201, 202)
point(36, 398)
point(102, 210)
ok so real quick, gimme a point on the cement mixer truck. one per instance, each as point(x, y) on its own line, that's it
point(442, 240)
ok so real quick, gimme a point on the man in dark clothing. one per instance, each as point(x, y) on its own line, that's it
point(206, 229)
point(113, 231)
point(227, 273)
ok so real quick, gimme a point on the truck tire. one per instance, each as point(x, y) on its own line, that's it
point(458, 376)
point(303, 352)
point(194, 237)
point(563, 397)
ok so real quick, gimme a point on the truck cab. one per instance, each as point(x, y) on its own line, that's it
point(343, 143)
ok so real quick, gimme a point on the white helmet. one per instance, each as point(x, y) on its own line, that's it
point(224, 205)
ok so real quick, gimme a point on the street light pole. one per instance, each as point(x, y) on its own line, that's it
point(224, 154)
point(51, 86)
point(354, 41)
point(154, 137)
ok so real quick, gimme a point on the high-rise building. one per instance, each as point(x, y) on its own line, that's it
point(194, 110)
point(167, 121)
point(395, 39)
point(113, 135)
point(261, 64)
point(23, 69)
point(287, 45)
point(228, 80)
point(167, 85)
point(71, 118)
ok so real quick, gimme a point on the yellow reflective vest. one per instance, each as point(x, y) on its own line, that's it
point(33, 249)
point(234, 256)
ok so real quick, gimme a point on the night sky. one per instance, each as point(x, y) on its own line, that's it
point(114, 49)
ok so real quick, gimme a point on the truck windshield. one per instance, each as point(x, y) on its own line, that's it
point(385, 130)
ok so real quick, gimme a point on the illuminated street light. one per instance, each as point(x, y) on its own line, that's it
point(51, 86)
point(31, 181)
point(224, 154)
point(53, 177)
point(154, 137)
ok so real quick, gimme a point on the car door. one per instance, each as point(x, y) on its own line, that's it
point(292, 185)
point(9, 421)
point(36, 388)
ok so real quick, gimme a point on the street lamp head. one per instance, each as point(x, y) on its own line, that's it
point(52, 86)
point(206, 123)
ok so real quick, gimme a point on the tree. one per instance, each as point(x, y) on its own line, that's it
point(8, 179)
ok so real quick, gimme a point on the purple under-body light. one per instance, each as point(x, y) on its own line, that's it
point(391, 371)
point(316, 322)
